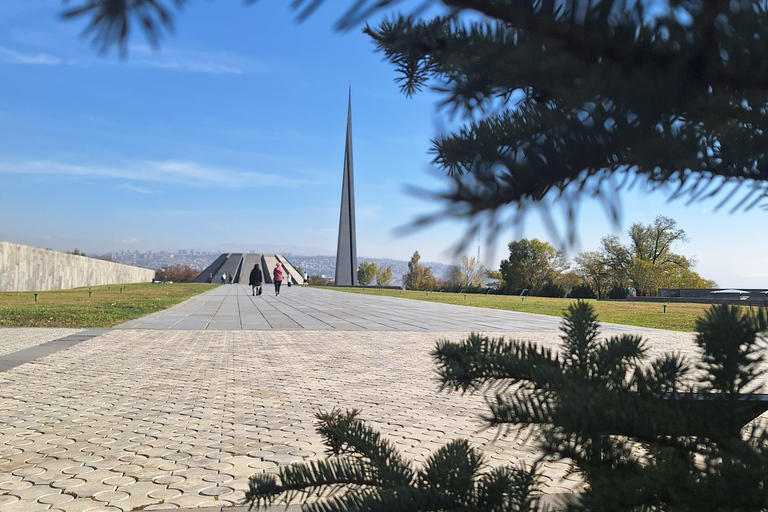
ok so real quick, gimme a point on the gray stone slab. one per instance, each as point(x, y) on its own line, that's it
point(232, 307)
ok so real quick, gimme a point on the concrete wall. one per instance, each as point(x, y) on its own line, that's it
point(751, 297)
point(702, 293)
point(27, 269)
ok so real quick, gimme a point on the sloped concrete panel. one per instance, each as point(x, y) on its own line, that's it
point(250, 260)
point(230, 267)
point(297, 278)
point(211, 269)
point(268, 262)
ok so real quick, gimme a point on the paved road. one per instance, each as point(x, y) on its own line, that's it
point(232, 307)
point(167, 416)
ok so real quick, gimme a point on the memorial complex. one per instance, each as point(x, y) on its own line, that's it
point(239, 265)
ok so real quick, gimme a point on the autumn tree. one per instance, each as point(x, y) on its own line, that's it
point(496, 279)
point(648, 262)
point(468, 275)
point(418, 277)
point(179, 273)
point(366, 273)
point(384, 276)
point(592, 269)
point(316, 280)
point(531, 265)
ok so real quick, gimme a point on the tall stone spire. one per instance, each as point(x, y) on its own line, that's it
point(346, 250)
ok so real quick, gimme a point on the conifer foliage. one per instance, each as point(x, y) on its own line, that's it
point(364, 472)
point(572, 97)
point(663, 434)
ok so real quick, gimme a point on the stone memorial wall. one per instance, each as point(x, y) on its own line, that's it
point(30, 269)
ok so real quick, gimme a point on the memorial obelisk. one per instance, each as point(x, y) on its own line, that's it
point(346, 250)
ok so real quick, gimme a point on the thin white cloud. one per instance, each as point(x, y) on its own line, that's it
point(177, 59)
point(172, 59)
point(134, 188)
point(149, 171)
point(9, 56)
point(210, 67)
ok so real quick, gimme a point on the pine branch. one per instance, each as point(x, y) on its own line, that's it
point(358, 477)
point(664, 377)
point(614, 358)
point(549, 21)
point(478, 360)
point(343, 433)
point(315, 478)
point(453, 471)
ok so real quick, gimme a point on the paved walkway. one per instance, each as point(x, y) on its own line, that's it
point(231, 307)
point(139, 419)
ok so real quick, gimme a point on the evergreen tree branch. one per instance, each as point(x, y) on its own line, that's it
point(478, 360)
point(315, 478)
point(343, 433)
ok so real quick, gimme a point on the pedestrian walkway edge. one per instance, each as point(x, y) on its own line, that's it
point(15, 359)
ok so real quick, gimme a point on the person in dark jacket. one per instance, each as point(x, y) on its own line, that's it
point(255, 279)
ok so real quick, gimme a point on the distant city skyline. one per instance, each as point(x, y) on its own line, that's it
point(314, 264)
point(231, 137)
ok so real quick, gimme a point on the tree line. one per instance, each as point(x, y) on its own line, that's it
point(534, 267)
point(178, 273)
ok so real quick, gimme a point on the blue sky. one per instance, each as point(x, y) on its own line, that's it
point(233, 133)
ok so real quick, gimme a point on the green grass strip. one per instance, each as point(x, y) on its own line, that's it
point(678, 316)
point(106, 306)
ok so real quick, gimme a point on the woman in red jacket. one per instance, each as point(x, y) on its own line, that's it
point(277, 277)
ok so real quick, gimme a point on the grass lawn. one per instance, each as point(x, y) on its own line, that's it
point(678, 317)
point(106, 307)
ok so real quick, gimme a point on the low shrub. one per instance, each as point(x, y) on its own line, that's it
point(582, 291)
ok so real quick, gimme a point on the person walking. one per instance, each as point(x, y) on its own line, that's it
point(277, 277)
point(223, 278)
point(306, 280)
point(255, 279)
point(210, 277)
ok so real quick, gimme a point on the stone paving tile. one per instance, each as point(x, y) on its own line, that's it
point(13, 339)
point(156, 420)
